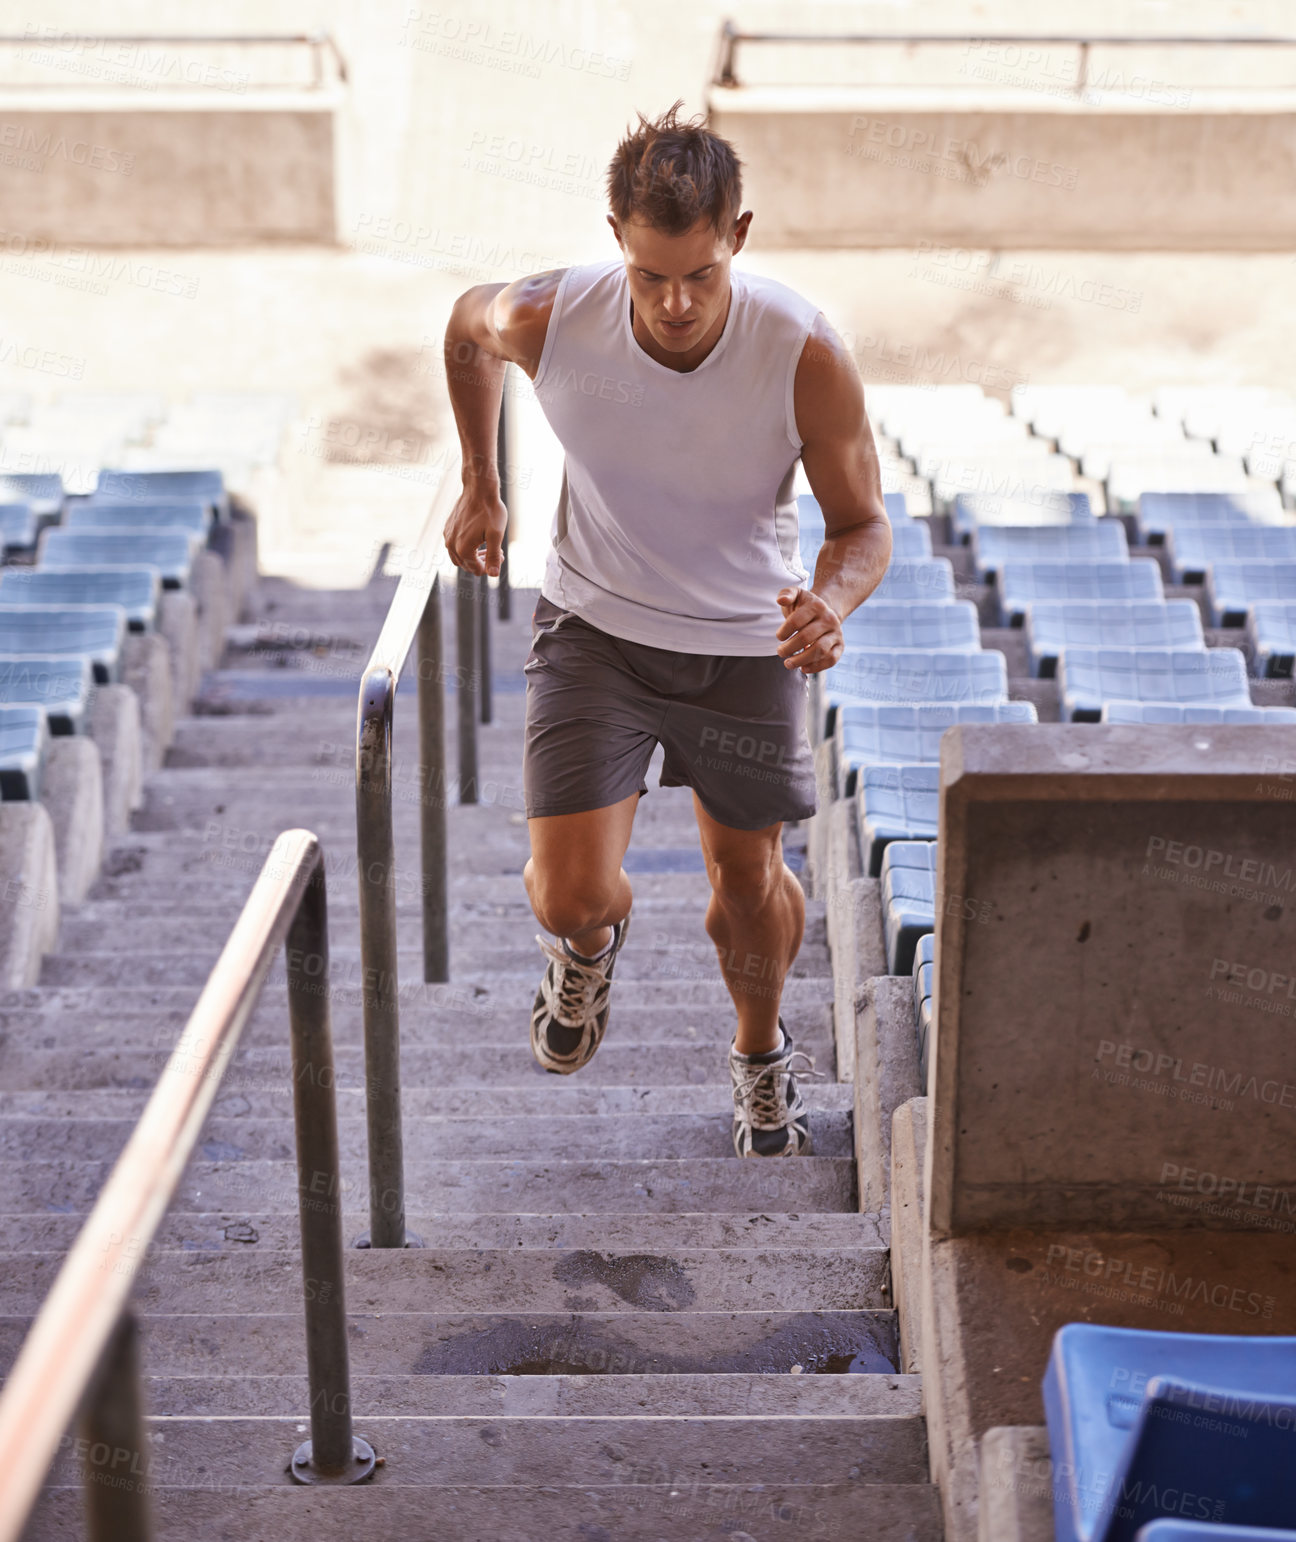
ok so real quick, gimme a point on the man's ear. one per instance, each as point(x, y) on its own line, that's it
point(616, 229)
point(741, 226)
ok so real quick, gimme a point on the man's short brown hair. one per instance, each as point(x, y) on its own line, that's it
point(669, 175)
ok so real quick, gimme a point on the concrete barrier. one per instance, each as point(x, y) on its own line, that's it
point(29, 893)
point(147, 671)
point(908, 1208)
point(178, 624)
point(1112, 1092)
point(73, 792)
point(115, 730)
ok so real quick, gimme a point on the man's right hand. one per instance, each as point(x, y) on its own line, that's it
point(478, 520)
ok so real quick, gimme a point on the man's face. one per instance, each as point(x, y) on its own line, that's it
point(679, 284)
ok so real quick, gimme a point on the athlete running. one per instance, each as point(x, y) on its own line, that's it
point(674, 608)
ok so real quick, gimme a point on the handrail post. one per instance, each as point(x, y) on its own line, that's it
point(333, 1454)
point(466, 676)
point(377, 851)
point(432, 781)
point(116, 1496)
point(484, 649)
point(502, 460)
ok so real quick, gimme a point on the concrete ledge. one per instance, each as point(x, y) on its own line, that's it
point(148, 673)
point(886, 1075)
point(29, 893)
point(211, 592)
point(235, 541)
point(826, 760)
point(178, 624)
point(858, 954)
point(115, 729)
point(908, 1153)
point(74, 796)
point(1015, 1503)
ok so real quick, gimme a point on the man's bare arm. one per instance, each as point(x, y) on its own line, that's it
point(491, 326)
point(841, 465)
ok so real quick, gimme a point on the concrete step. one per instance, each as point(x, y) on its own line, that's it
point(255, 1069)
point(786, 1396)
point(436, 1279)
point(623, 1511)
point(641, 1232)
point(516, 1344)
point(526, 1451)
point(536, 1185)
point(571, 1136)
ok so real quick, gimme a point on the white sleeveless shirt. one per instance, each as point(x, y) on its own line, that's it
point(676, 524)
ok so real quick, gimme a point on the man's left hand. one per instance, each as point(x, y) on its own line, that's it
point(810, 638)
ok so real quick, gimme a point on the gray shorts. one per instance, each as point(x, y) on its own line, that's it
point(733, 729)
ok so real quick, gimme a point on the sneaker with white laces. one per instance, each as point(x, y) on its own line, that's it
point(570, 1013)
point(770, 1115)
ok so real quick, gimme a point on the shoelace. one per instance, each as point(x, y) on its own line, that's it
point(765, 1094)
point(578, 985)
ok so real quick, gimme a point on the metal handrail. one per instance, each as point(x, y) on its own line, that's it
point(321, 42)
point(80, 1349)
point(725, 74)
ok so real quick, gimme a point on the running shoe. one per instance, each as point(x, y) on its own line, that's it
point(770, 1116)
point(570, 1013)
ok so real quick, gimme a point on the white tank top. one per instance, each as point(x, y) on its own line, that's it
point(676, 524)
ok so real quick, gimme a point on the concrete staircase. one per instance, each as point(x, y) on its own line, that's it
point(616, 1330)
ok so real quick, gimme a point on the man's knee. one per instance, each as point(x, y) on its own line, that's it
point(568, 905)
point(745, 885)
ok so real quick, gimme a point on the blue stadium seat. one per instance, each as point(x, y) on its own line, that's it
point(1052, 625)
point(896, 803)
point(1019, 583)
point(24, 749)
point(1271, 638)
point(1159, 512)
point(924, 971)
point(873, 735)
point(18, 527)
point(930, 580)
point(148, 486)
point(95, 632)
point(1193, 548)
point(96, 515)
point(61, 685)
point(896, 624)
point(908, 900)
point(1232, 588)
point(138, 590)
point(1204, 1531)
point(1161, 1414)
point(170, 551)
point(993, 546)
point(1169, 712)
point(42, 490)
point(972, 510)
point(1088, 677)
point(917, 676)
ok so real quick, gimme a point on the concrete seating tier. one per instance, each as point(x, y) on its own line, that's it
point(1021, 583)
point(1052, 625)
point(895, 803)
point(1271, 638)
point(172, 552)
point(1052, 508)
point(94, 632)
point(913, 624)
point(918, 675)
point(1160, 512)
point(1128, 479)
point(62, 686)
point(1170, 712)
point(1127, 1418)
point(1192, 549)
point(130, 486)
point(993, 546)
point(908, 900)
point(92, 514)
point(1048, 407)
point(1088, 677)
point(1028, 479)
point(137, 590)
point(24, 749)
point(1232, 588)
point(42, 491)
point(870, 735)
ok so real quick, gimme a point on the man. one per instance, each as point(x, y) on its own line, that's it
point(674, 607)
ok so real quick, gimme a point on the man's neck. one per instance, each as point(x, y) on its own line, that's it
point(682, 363)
